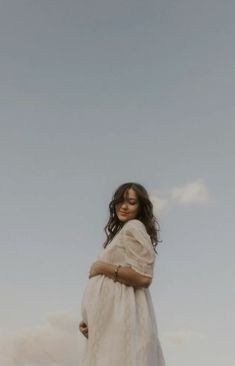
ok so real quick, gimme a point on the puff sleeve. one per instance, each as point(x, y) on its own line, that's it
point(139, 251)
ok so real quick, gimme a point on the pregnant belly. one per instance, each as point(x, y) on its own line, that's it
point(95, 296)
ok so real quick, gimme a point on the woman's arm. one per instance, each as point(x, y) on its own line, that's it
point(126, 275)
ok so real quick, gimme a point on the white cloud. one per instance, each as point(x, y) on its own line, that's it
point(160, 205)
point(194, 193)
point(182, 336)
point(57, 343)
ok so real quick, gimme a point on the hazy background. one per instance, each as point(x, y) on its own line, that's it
point(94, 94)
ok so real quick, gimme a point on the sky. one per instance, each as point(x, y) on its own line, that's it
point(95, 94)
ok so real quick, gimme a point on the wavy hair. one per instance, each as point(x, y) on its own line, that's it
point(145, 214)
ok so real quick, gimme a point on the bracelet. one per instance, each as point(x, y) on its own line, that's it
point(116, 273)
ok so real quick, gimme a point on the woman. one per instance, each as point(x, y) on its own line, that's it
point(118, 315)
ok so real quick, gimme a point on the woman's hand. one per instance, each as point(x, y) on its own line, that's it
point(83, 328)
point(126, 274)
point(96, 268)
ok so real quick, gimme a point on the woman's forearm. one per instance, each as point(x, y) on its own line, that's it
point(126, 275)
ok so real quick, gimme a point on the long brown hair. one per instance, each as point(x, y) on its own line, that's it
point(145, 214)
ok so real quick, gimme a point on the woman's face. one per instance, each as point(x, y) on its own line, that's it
point(129, 207)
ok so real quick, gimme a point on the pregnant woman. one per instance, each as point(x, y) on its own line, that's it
point(118, 318)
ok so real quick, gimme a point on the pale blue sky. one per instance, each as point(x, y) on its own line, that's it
point(94, 94)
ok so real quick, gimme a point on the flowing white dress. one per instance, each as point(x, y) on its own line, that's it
point(121, 319)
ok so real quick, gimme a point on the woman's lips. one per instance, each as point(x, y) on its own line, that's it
point(123, 213)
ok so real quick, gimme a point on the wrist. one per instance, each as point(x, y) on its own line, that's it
point(109, 270)
point(116, 272)
point(104, 268)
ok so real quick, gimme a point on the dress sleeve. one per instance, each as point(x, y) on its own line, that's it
point(139, 252)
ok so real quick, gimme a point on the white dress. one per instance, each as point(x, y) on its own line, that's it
point(121, 320)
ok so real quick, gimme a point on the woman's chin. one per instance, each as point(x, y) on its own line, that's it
point(123, 219)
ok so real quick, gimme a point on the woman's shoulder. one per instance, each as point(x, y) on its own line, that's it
point(134, 224)
point(135, 231)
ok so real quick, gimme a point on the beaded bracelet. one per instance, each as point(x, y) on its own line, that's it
point(116, 273)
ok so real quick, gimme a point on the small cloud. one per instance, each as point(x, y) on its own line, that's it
point(194, 193)
point(61, 321)
point(57, 343)
point(183, 336)
point(160, 205)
